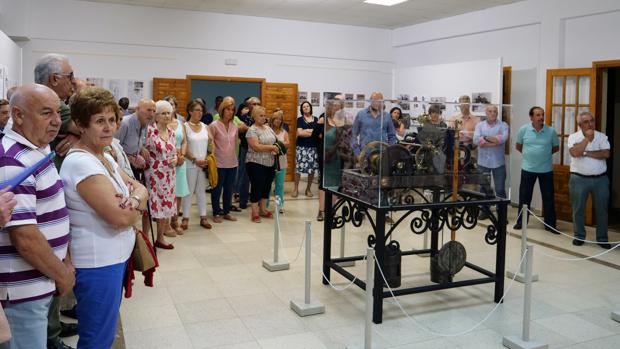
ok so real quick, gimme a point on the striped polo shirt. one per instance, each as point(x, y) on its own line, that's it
point(41, 202)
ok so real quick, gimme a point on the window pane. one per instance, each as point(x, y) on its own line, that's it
point(556, 157)
point(584, 90)
point(571, 90)
point(569, 120)
point(558, 82)
point(556, 119)
point(566, 153)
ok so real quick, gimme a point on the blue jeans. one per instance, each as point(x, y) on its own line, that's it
point(98, 292)
point(279, 187)
point(545, 182)
point(499, 178)
point(225, 182)
point(580, 188)
point(243, 181)
point(28, 322)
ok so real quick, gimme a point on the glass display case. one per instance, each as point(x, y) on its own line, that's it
point(388, 153)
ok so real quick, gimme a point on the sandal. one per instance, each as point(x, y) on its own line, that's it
point(295, 193)
point(235, 208)
point(171, 233)
point(309, 193)
point(266, 214)
point(205, 223)
point(174, 224)
point(256, 219)
point(163, 246)
point(321, 216)
point(184, 223)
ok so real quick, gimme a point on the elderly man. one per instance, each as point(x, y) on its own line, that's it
point(372, 124)
point(467, 119)
point(55, 71)
point(490, 137)
point(33, 263)
point(589, 150)
point(537, 143)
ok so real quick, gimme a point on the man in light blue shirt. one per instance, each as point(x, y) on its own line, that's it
point(537, 142)
point(372, 124)
point(490, 137)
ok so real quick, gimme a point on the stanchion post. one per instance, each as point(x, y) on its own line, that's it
point(342, 244)
point(276, 264)
point(520, 275)
point(370, 277)
point(307, 307)
point(514, 342)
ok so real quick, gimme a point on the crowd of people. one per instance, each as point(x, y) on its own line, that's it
point(69, 227)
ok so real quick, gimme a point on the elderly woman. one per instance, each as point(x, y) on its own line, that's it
point(276, 123)
point(260, 161)
point(198, 139)
point(224, 132)
point(181, 186)
point(160, 174)
point(306, 160)
point(103, 204)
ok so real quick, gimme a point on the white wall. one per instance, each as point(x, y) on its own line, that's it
point(131, 42)
point(11, 59)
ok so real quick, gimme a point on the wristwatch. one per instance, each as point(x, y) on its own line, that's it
point(137, 199)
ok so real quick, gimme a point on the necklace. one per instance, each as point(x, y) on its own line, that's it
point(194, 123)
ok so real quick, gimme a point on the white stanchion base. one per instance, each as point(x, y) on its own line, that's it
point(303, 309)
point(615, 316)
point(520, 277)
point(515, 342)
point(346, 264)
point(275, 266)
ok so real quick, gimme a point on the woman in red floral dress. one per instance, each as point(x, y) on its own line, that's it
point(160, 173)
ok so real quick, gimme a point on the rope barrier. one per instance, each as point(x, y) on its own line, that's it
point(425, 329)
point(570, 236)
point(340, 289)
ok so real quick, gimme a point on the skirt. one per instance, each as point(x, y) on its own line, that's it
point(306, 160)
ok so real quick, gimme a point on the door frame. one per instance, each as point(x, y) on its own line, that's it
point(596, 87)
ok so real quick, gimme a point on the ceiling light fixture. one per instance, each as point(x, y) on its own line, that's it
point(384, 2)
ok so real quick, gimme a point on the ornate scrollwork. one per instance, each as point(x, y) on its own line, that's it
point(491, 235)
point(351, 212)
point(420, 224)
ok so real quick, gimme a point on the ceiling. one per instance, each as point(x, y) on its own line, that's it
point(350, 12)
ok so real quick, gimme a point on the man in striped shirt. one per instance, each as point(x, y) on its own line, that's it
point(33, 245)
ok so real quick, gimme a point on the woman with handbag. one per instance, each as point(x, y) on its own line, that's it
point(103, 204)
point(160, 173)
point(198, 139)
point(260, 162)
point(276, 122)
point(224, 133)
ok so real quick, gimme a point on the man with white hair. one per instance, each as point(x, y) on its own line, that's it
point(589, 150)
point(33, 244)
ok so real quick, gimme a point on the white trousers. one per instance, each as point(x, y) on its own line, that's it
point(197, 182)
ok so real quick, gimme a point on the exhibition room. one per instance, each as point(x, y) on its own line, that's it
point(288, 174)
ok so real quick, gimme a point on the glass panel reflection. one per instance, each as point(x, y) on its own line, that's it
point(556, 119)
point(571, 90)
point(569, 120)
point(558, 82)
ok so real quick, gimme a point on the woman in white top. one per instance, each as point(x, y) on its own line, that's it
point(198, 139)
point(103, 204)
point(276, 123)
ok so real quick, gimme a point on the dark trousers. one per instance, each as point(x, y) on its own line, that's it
point(261, 178)
point(225, 182)
point(545, 182)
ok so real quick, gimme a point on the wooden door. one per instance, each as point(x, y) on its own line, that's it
point(177, 87)
point(284, 96)
point(568, 94)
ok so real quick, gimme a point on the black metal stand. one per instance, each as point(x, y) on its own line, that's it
point(433, 217)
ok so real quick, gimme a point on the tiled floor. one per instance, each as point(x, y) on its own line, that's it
point(211, 291)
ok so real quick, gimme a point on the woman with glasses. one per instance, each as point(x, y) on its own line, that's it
point(160, 174)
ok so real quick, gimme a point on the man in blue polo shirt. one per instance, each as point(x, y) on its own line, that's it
point(372, 124)
point(537, 142)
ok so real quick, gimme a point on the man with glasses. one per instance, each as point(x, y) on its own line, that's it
point(54, 71)
point(589, 150)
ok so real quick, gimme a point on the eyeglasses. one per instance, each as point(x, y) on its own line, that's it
point(69, 75)
point(591, 121)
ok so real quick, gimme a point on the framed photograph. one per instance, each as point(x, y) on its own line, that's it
point(330, 95)
point(478, 99)
point(315, 99)
point(403, 101)
point(302, 96)
point(348, 100)
point(360, 97)
point(439, 100)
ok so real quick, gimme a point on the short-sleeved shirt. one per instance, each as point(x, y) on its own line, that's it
point(41, 202)
point(94, 243)
point(368, 128)
point(306, 141)
point(225, 143)
point(536, 155)
point(132, 134)
point(586, 165)
point(491, 157)
point(265, 136)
